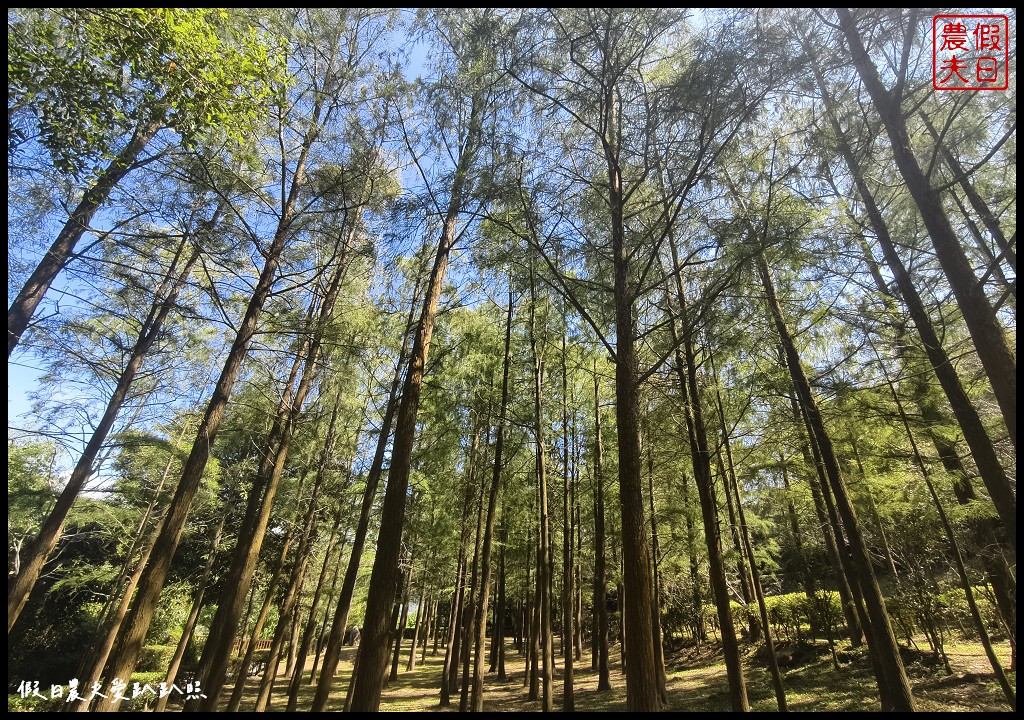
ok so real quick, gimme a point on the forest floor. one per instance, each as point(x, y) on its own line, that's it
point(697, 682)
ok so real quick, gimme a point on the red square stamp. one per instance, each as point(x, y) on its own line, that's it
point(970, 52)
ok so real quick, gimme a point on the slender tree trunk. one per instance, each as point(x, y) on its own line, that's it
point(845, 583)
point(421, 611)
point(954, 546)
point(981, 207)
point(578, 601)
point(700, 634)
point(659, 649)
point(568, 570)
point(130, 641)
point(470, 614)
point(991, 470)
point(298, 574)
point(534, 642)
point(113, 617)
point(214, 661)
point(61, 251)
point(874, 512)
point(452, 631)
point(311, 623)
point(755, 576)
point(235, 701)
point(894, 686)
point(400, 629)
point(373, 643)
point(686, 368)
point(428, 628)
point(339, 624)
point(492, 507)
point(321, 635)
point(742, 571)
point(995, 354)
point(193, 616)
point(499, 619)
point(34, 557)
point(106, 643)
point(600, 579)
point(794, 529)
point(641, 674)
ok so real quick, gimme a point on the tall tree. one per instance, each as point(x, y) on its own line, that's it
point(66, 69)
point(980, 316)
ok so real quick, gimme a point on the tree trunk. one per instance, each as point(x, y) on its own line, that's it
point(894, 686)
point(845, 583)
point(980, 317)
point(568, 596)
point(470, 614)
point(991, 470)
point(755, 576)
point(34, 557)
point(373, 642)
point(400, 629)
point(686, 368)
point(794, 529)
point(339, 624)
point(659, 649)
point(451, 657)
point(742, 571)
point(954, 546)
point(492, 506)
point(24, 306)
point(133, 635)
point(499, 618)
point(214, 661)
point(700, 634)
point(235, 701)
point(307, 636)
point(420, 626)
point(981, 207)
point(298, 574)
point(601, 660)
point(193, 616)
point(544, 554)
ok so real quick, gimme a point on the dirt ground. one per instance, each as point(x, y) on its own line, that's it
point(697, 683)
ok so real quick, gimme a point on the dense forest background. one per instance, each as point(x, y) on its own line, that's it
point(551, 349)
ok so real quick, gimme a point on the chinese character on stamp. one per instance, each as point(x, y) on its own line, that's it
point(970, 52)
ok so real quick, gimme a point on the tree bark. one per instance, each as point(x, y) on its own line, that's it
point(19, 315)
point(492, 506)
point(34, 557)
point(991, 470)
point(894, 687)
point(980, 317)
point(600, 579)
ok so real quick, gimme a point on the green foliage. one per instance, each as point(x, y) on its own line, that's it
point(31, 488)
point(90, 76)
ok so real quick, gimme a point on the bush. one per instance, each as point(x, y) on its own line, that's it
point(156, 658)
